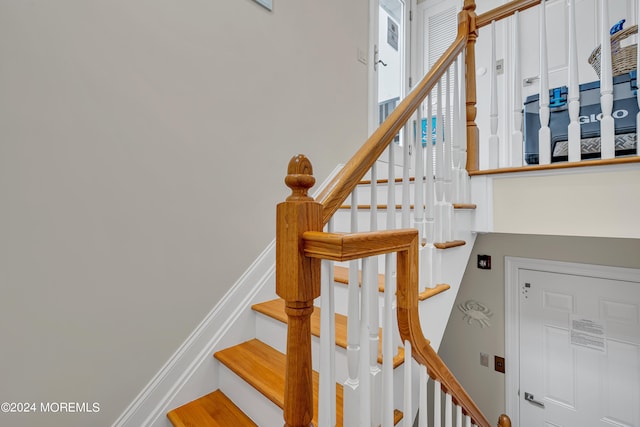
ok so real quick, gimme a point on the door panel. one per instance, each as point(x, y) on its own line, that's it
point(579, 350)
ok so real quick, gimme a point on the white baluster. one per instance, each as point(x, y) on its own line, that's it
point(574, 89)
point(439, 179)
point(327, 388)
point(391, 190)
point(430, 201)
point(458, 416)
point(351, 400)
point(448, 410)
point(370, 299)
point(607, 124)
point(437, 408)
point(407, 407)
point(389, 293)
point(544, 135)
point(373, 224)
point(464, 176)
point(494, 141)
point(366, 381)
point(467, 421)
point(516, 135)
point(387, 343)
point(406, 189)
point(423, 411)
point(638, 91)
point(418, 185)
point(456, 134)
point(371, 285)
point(448, 164)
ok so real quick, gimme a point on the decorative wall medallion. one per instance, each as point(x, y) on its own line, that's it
point(475, 312)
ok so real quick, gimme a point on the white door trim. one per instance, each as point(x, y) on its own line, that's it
point(512, 312)
point(371, 74)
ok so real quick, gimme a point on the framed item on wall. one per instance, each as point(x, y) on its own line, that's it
point(266, 3)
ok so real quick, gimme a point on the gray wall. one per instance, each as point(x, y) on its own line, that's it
point(463, 343)
point(143, 146)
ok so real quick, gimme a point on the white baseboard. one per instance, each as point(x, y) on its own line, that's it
point(191, 371)
point(150, 407)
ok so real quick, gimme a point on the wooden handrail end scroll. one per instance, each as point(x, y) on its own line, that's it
point(298, 284)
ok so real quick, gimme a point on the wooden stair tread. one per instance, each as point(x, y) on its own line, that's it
point(378, 206)
point(449, 245)
point(385, 181)
point(275, 310)
point(263, 367)
point(430, 292)
point(341, 275)
point(212, 410)
point(464, 206)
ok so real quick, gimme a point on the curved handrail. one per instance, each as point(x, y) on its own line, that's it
point(349, 246)
point(421, 350)
point(337, 191)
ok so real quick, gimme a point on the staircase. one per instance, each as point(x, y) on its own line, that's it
point(252, 373)
point(353, 337)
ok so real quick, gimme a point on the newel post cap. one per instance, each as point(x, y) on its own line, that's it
point(299, 178)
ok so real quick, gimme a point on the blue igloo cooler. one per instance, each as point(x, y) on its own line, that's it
point(625, 108)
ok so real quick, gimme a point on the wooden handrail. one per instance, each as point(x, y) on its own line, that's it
point(337, 191)
point(505, 11)
point(350, 246)
point(410, 330)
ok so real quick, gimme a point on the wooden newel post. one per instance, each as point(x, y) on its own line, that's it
point(469, 14)
point(298, 283)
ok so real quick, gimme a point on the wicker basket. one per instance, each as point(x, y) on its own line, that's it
point(624, 59)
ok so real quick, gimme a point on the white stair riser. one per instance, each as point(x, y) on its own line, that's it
point(273, 333)
point(253, 403)
point(364, 193)
point(342, 220)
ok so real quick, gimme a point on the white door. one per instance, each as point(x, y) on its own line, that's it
point(579, 350)
point(391, 64)
point(588, 38)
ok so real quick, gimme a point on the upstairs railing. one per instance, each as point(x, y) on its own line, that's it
point(579, 113)
point(437, 119)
